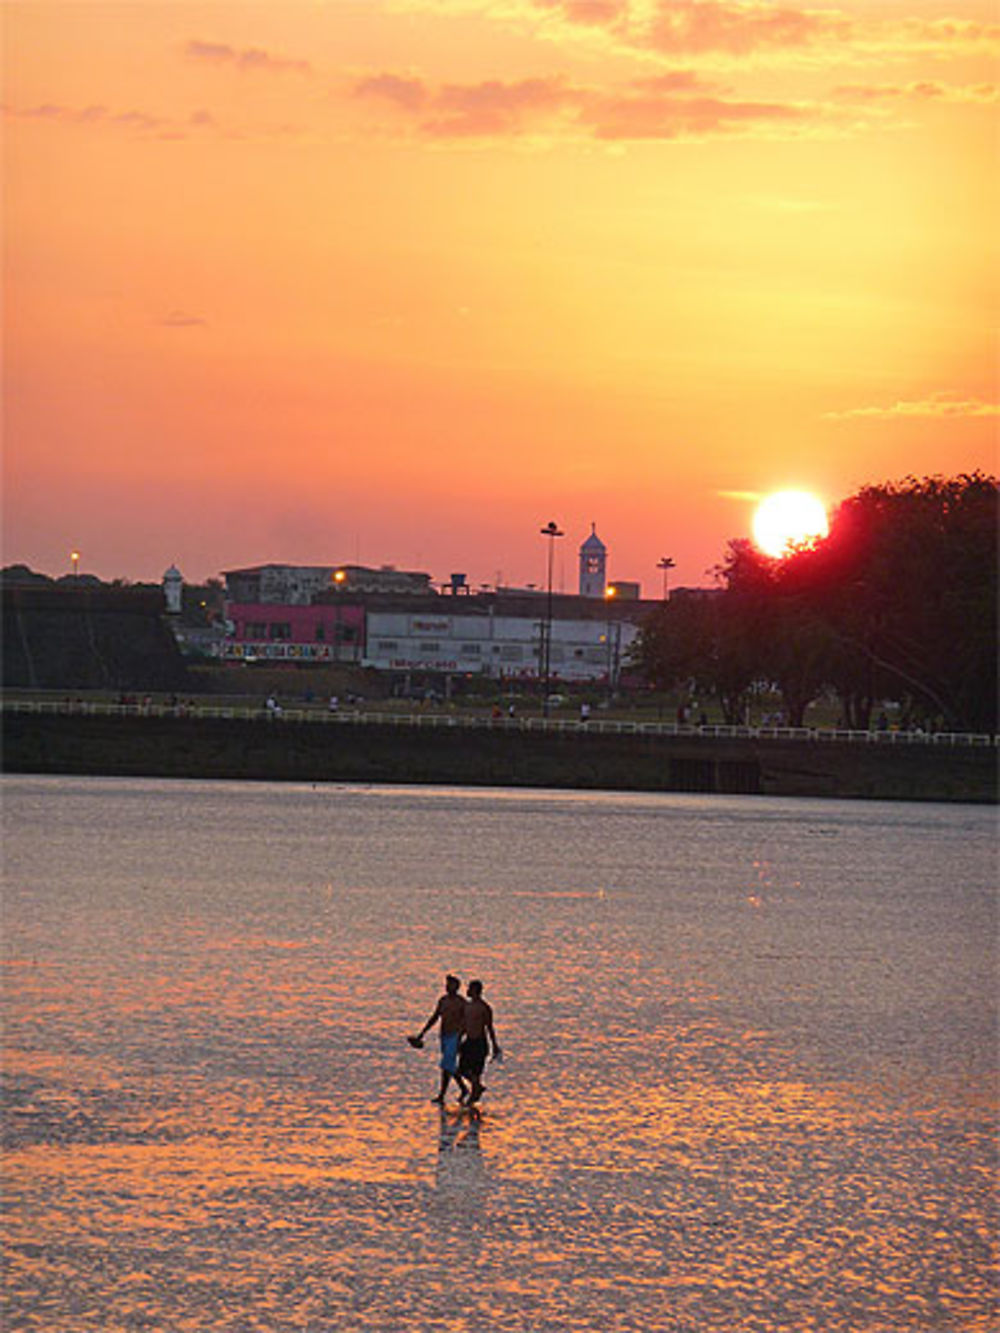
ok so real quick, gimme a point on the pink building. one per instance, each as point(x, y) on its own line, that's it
point(280, 632)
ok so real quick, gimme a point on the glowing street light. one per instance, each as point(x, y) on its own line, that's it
point(610, 593)
point(75, 560)
point(552, 532)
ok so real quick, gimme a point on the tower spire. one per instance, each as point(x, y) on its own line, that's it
point(593, 565)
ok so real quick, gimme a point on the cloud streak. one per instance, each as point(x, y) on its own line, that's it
point(89, 115)
point(248, 59)
point(672, 105)
point(924, 91)
point(179, 319)
point(946, 406)
point(142, 125)
point(737, 30)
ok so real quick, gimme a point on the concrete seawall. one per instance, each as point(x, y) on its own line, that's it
point(193, 747)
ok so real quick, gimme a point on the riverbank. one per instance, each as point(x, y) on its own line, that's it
point(287, 750)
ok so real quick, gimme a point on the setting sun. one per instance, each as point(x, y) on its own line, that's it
point(788, 519)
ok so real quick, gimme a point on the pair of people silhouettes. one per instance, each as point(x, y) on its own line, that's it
point(467, 1035)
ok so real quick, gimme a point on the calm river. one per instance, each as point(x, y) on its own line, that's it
point(749, 1085)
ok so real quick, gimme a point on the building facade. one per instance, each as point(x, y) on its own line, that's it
point(300, 585)
point(496, 645)
point(393, 621)
point(288, 632)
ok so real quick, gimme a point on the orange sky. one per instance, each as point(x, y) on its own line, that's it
point(401, 280)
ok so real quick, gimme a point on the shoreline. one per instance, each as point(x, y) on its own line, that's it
point(288, 750)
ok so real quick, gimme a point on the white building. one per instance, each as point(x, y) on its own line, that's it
point(485, 643)
point(299, 585)
point(173, 590)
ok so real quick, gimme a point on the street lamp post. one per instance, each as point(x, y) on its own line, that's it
point(75, 560)
point(552, 532)
point(610, 593)
point(666, 564)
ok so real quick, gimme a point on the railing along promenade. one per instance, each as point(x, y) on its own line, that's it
point(592, 726)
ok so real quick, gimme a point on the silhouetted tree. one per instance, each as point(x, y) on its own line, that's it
point(691, 641)
point(907, 582)
point(788, 641)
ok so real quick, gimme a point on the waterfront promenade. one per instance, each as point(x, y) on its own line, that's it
point(196, 739)
point(552, 725)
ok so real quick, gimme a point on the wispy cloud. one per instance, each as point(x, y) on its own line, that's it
point(490, 107)
point(142, 125)
point(739, 29)
point(249, 59)
point(409, 93)
point(671, 105)
point(690, 27)
point(88, 115)
point(674, 117)
point(180, 319)
point(923, 91)
point(735, 30)
point(939, 405)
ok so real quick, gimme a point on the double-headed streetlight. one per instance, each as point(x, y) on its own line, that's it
point(666, 564)
point(552, 532)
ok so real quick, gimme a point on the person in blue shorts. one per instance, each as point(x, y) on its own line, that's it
point(450, 1010)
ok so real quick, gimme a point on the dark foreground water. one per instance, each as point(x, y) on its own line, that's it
point(750, 1079)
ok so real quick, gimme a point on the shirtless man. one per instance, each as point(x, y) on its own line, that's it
point(450, 1010)
point(478, 1028)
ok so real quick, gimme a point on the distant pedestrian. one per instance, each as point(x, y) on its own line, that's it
point(479, 1039)
point(584, 712)
point(450, 1012)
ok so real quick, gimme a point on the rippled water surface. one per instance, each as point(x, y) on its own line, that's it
point(750, 1074)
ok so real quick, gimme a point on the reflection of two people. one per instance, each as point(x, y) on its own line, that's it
point(460, 1164)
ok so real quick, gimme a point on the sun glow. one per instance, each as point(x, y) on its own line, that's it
point(789, 519)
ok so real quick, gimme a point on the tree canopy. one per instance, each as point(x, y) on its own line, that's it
point(898, 602)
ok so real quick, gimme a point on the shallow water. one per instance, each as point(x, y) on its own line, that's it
point(750, 1073)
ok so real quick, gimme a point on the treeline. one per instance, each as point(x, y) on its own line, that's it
point(201, 603)
point(898, 602)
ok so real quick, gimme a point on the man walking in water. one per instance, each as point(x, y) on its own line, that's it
point(450, 1010)
point(478, 1029)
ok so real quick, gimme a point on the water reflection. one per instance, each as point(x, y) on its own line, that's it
point(460, 1167)
point(714, 1113)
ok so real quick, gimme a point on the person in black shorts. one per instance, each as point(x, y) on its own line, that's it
point(480, 1038)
